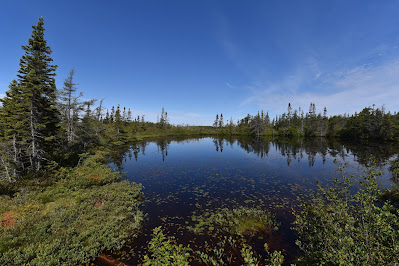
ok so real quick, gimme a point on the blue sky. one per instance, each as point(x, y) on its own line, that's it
point(199, 58)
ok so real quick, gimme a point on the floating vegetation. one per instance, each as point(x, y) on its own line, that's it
point(240, 221)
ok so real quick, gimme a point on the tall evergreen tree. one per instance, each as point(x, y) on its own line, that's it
point(70, 107)
point(112, 115)
point(99, 110)
point(33, 100)
point(163, 121)
point(11, 127)
point(221, 123)
point(289, 110)
point(216, 123)
point(256, 125)
point(129, 116)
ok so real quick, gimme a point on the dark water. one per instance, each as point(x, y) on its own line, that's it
point(185, 177)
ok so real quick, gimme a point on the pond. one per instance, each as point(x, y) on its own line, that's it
point(190, 177)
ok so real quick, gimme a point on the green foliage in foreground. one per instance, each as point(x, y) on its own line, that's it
point(338, 227)
point(165, 251)
point(233, 226)
point(220, 254)
point(228, 229)
point(71, 221)
point(394, 169)
point(393, 194)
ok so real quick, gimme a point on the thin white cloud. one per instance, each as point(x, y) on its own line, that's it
point(341, 92)
point(231, 49)
point(229, 85)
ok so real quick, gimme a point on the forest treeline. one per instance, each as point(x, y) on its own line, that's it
point(370, 123)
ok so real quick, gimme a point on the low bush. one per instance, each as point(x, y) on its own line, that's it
point(72, 221)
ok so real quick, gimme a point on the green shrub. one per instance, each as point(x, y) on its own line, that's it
point(341, 227)
point(231, 229)
point(72, 221)
point(165, 252)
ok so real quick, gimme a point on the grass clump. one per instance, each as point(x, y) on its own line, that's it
point(71, 221)
point(245, 221)
point(238, 221)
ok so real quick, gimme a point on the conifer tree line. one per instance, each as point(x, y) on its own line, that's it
point(371, 123)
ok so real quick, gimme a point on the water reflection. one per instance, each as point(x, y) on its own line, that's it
point(184, 177)
point(291, 149)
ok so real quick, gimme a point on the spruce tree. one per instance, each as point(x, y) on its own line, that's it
point(221, 123)
point(129, 116)
point(70, 107)
point(11, 125)
point(33, 101)
point(107, 119)
point(112, 115)
point(216, 123)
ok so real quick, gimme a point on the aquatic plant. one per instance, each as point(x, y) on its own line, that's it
point(237, 221)
point(230, 228)
point(166, 251)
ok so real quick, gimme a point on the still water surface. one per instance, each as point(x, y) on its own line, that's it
point(186, 177)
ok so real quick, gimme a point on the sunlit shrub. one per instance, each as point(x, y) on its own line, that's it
point(164, 251)
point(341, 227)
point(72, 221)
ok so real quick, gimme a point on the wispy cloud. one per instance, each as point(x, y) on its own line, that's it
point(235, 53)
point(229, 85)
point(341, 91)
